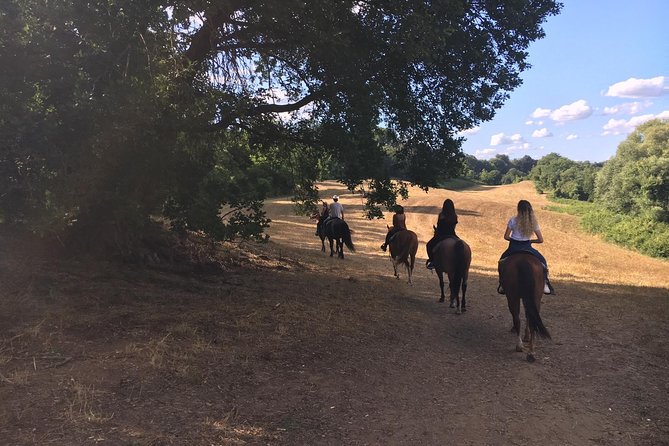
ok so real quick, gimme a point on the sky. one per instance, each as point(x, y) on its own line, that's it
point(601, 70)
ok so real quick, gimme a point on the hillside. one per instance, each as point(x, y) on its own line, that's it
point(284, 345)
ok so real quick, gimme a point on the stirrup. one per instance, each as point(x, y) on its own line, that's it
point(384, 247)
point(500, 289)
point(429, 265)
point(548, 288)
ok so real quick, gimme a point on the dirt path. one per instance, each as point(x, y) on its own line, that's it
point(292, 347)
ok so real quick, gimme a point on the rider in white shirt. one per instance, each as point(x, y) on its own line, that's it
point(336, 209)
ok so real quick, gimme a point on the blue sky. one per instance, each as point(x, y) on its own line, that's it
point(602, 69)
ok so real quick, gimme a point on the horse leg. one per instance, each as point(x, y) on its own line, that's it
point(408, 272)
point(340, 247)
point(441, 284)
point(514, 309)
point(464, 292)
point(331, 247)
point(530, 353)
point(392, 260)
point(453, 293)
point(322, 244)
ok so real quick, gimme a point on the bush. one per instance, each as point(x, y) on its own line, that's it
point(642, 234)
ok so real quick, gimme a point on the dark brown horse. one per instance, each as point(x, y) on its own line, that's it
point(453, 257)
point(337, 231)
point(403, 247)
point(522, 277)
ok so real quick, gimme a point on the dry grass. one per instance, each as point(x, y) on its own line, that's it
point(572, 254)
point(284, 345)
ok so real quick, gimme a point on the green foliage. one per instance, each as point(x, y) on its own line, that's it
point(498, 170)
point(636, 180)
point(639, 233)
point(112, 111)
point(565, 178)
point(570, 206)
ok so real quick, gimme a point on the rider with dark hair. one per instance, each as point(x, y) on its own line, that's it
point(519, 231)
point(399, 224)
point(445, 229)
point(325, 211)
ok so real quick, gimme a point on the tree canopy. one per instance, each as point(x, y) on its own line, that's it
point(636, 180)
point(115, 110)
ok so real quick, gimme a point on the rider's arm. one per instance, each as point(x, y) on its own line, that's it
point(507, 234)
point(539, 239)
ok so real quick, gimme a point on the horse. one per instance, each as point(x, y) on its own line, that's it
point(336, 230)
point(403, 247)
point(453, 256)
point(522, 277)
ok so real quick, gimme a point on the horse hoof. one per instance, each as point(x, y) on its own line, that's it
point(530, 357)
point(451, 305)
point(458, 312)
point(519, 348)
point(464, 309)
point(441, 300)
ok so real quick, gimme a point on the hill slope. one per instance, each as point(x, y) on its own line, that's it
point(289, 346)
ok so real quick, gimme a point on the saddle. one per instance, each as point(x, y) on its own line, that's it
point(521, 251)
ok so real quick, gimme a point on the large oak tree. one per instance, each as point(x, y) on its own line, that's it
point(115, 110)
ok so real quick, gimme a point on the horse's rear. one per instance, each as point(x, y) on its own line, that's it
point(453, 256)
point(403, 247)
point(337, 230)
point(522, 277)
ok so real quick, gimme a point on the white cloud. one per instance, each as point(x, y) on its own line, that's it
point(485, 153)
point(510, 150)
point(639, 88)
point(629, 108)
point(531, 122)
point(471, 131)
point(571, 112)
point(541, 133)
point(500, 138)
point(572, 137)
point(663, 115)
point(618, 126)
point(540, 113)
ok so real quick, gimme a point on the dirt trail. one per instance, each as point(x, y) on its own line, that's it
point(292, 347)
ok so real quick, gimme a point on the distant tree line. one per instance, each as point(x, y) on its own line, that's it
point(498, 170)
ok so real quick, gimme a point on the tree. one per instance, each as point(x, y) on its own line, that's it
point(636, 180)
point(112, 111)
point(546, 173)
point(524, 164)
point(500, 162)
point(512, 176)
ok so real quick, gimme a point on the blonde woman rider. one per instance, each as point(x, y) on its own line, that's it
point(519, 232)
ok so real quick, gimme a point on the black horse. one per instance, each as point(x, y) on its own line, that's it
point(337, 230)
point(453, 256)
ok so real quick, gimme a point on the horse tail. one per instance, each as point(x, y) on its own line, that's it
point(346, 236)
point(459, 265)
point(527, 285)
point(413, 248)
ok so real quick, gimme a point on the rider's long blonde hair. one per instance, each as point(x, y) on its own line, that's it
point(525, 220)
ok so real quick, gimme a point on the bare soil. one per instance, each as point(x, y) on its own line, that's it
point(283, 345)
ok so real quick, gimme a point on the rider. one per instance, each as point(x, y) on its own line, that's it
point(518, 232)
point(399, 224)
point(325, 211)
point(336, 210)
point(445, 229)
